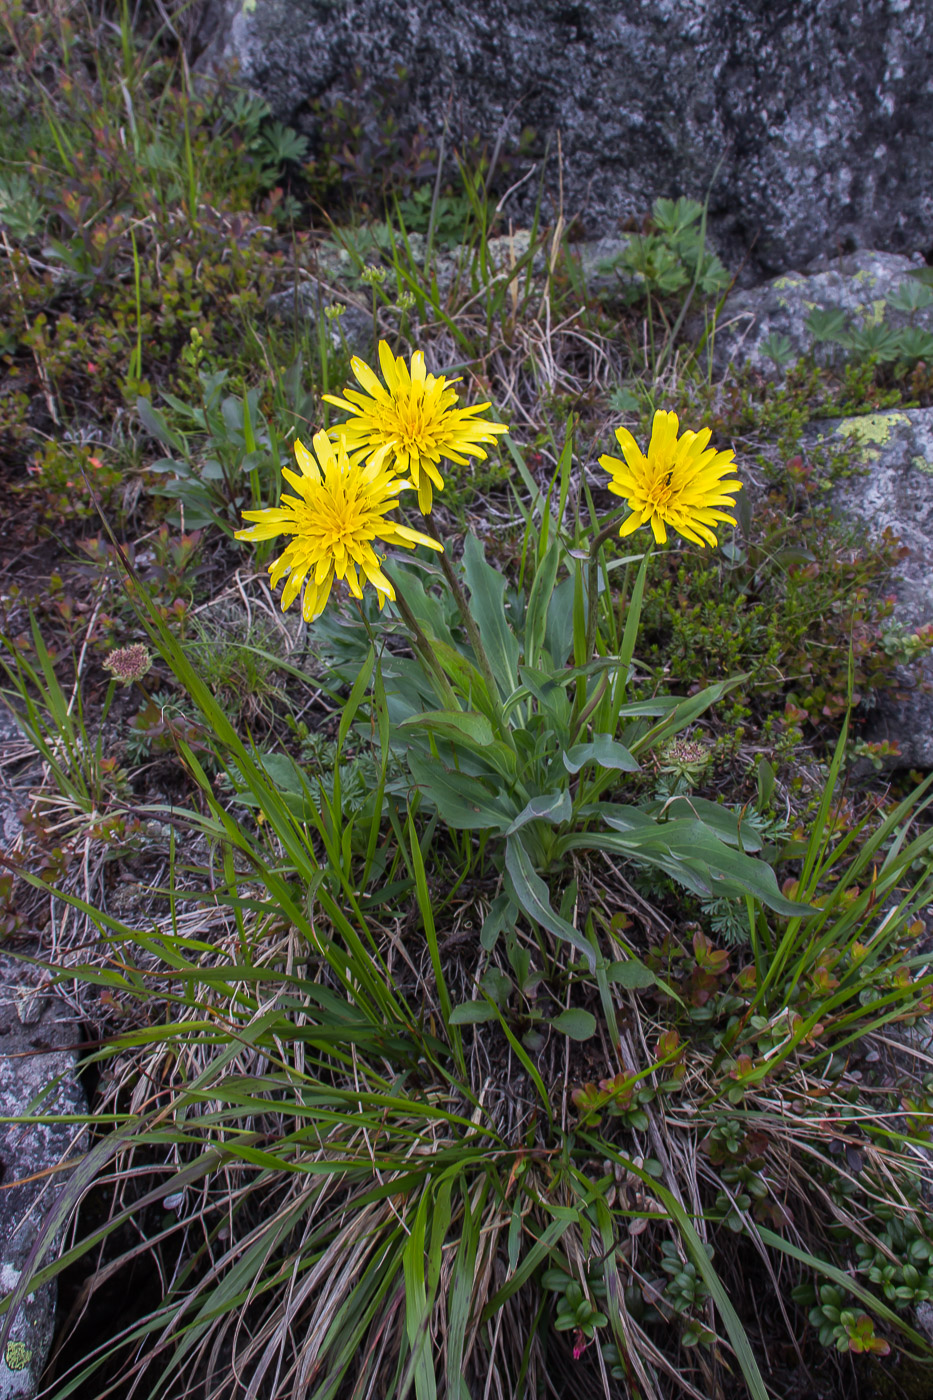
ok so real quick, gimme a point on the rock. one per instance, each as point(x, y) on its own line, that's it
point(339, 270)
point(37, 1075)
point(353, 326)
point(859, 285)
point(809, 124)
point(896, 492)
point(12, 744)
point(924, 1317)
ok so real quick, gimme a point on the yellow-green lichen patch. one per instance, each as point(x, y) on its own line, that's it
point(870, 432)
point(921, 464)
point(785, 284)
point(873, 315)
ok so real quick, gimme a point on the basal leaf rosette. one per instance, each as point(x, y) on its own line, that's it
point(414, 417)
point(339, 510)
point(679, 483)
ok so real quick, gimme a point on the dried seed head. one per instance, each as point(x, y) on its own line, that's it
point(685, 758)
point(128, 664)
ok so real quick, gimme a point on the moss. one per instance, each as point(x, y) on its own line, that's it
point(921, 464)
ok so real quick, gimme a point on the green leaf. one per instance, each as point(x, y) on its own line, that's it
point(466, 677)
point(697, 1250)
point(501, 915)
point(558, 636)
point(461, 801)
point(629, 638)
point(542, 1249)
point(471, 1013)
point(605, 751)
point(847, 1281)
point(631, 974)
point(766, 781)
point(695, 880)
point(355, 697)
point(471, 731)
point(487, 599)
point(831, 324)
point(532, 894)
point(461, 1288)
point(550, 693)
point(553, 807)
point(575, 1023)
point(688, 850)
point(879, 340)
point(417, 1304)
point(539, 600)
point(911, 296)
point(684, 712)
point(720, 820)
point(156, 426)
point(660, 705)
point(467, 725)
point(732, 871)
point(914, 343)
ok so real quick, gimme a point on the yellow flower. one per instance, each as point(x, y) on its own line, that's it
point(338, 512)
point(680, 482)
point(414, 418)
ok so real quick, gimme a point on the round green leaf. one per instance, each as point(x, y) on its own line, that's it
point(575, 1022)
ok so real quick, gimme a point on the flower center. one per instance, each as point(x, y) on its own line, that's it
point(659, 492)
point(411, 416)
point(336, 522)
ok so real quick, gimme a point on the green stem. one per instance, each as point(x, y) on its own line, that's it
point(472, 631)
point(588, 709)
point(423, 648)
point(593, 583)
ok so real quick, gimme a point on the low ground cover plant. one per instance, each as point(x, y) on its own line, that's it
point(495, 981)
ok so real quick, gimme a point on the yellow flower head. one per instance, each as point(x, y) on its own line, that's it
point(338, 512)
point(680, 482)
point(414, 418)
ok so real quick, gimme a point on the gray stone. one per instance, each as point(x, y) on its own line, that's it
point(308, 300)
point(895, 491)
point(13, 748)
point(810, 123)
point(37, 1075)
point(339, 271)
point(860, 285)
point(924, 1316)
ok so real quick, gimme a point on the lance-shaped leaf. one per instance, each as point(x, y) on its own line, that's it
point(605, 751)
point(531, 893)
point(462, 802)
point(487, 604)
point(469, 726)
point(553, 807)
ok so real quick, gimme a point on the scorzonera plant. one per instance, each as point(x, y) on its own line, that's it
point(513, 720)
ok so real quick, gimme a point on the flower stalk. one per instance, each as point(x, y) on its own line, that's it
point(476, 641)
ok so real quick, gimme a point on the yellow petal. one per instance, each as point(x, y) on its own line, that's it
point(315, 599)
point(378, 579)
point(365, 376)
point(388, 366)
point(413, 537)
point(633, 523)
point(305, 461)
point(425, 493)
